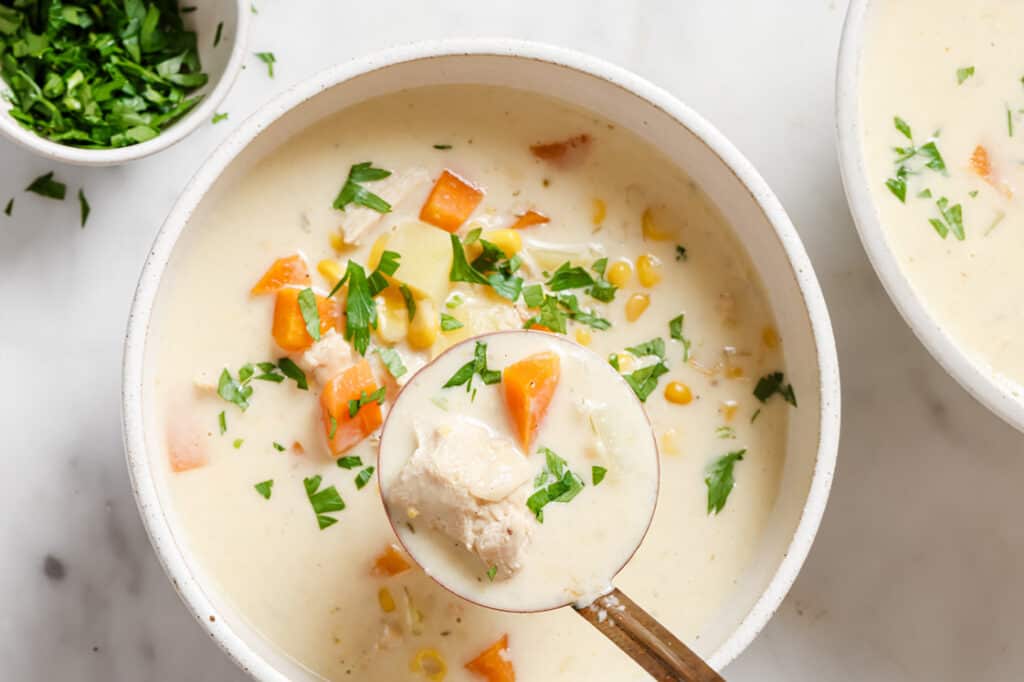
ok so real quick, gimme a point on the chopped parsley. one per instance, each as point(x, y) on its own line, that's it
point(277, 446)
point(719, 480)
point(454, 301)
point(442, 147)
point(477, 366)
point(9, 207)
point(360, 309)
point(1009, 121)
point(218, 117)
point(680, 252)
point(237, 391)
point(46, 186)
point(410, 301)
point(357, 404)
point(602, 289)
point(98, 75)
point(770, 384)
point(597, 474)
point(222, 422)
point(753, 417)
point(265, 488)
point(353, 192)
point(501, 277)
point(654, 347)
point(491, 572)
point(269, 59)
point(363, 477)
point(391, 360)
point(927, 153)
point(675, 331)
point(292, 371)
point(334, 427)
point(951, 219)
point(323, 501)
point(963, 74)
point(449, 323)
point(555, 311)
point(217, 35)
point(726, 432)
point(350, 462)
point(644, 380)
point(238, 443)
point(554, 483)
point(310, 312)
point(83, 207)
point(569, 277)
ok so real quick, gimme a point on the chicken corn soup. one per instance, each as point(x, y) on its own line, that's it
point(943, 121)
point(482, 444)
point(302, 298)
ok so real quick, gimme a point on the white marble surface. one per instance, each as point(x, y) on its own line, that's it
point(915, 574)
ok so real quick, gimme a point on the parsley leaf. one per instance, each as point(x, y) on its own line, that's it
point(442, 147)
point(680, 252)
point(725, 432)
point(265, 488)
point(83, 207)
point(238, 443)
point(310, 312)
point(234, 391)
point(675, 330)
point(218, 117)
point(597, 474)
point(476, 366)
point(719, 480)
point(357, 404)
point(293, 372)
point(655, 347)
point(350, 462)
point(277, 446)
point(46, 186)
point(568, 277)
point(952, 219)
point(491, 572)
point(461, 270)
point(392, 361)
point(222, 422)
point(449, 323)
point(903, 127)
point(770, 384)
point(353, 192)
point(323, 501)
point(963, 74)
point(9, 207)
point(269, 59)
point(360, 309)
point(564, 485)
point(410, 302)
point(363, 477)
point(602, 289)
point(644, 380)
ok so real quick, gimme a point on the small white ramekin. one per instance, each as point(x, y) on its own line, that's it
point(222, 63)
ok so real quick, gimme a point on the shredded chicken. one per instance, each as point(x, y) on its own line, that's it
point(358, 221)
point(326, 358)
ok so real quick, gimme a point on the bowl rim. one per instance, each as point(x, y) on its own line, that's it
point(177, 131)
point(142, 478)
point(980, 380)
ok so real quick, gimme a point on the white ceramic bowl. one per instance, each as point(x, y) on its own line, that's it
point(221, 63)
point(729, 179)
point(999, 394)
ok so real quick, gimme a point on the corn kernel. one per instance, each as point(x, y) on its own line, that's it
point(373, 259)
point(509, 241)
point(330, 270)
point(337, 241)
point(669, 442)
point(392, 316)
point(679, 393)
point(430, 663)
point(650, 228)
point(386, 601)
point(425, 326)
point(733, 372)
point(728, 409)
point(583, 336)
point(636, 305)
point(599, 212)
point(648, 270)
point(770, 337)
point(619, 272)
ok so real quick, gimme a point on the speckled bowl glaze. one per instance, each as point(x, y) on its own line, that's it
point(724, 174)
point(222, 63)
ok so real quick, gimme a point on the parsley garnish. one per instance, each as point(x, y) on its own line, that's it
point(502, 277)
point(392, 361)
point(265, 488)
point(554, 311)
point(675, 331)
point(218, 117)
point(350, 462)
point(442, 147)
point(449, 323)
point(236, 391)
point(597, 474)
point(238, 443)
point(476, 366)
point(83, 206)
point(963, 74)
point(269, 59)
point(568, 277)
point(360, 310)
point(277, 446)
point(222, 422)
point(410, 301)
point(602, 289)
point(554, 483)
point(216, 36)
point(454, 301)
point(680, 252)
point(323, 501)
point(491, 572)
point(726, 432)
point(310, 312)
point(644, 380)
point(719, 480)
point(353, 192)
point(9, 207)
point(770, 384)
point(363, 477)
point(952, 219)
point(654, 347)
point(46, 186)
point(757, 413)
point(334, 427)
point(357, 404)
point(290, 370)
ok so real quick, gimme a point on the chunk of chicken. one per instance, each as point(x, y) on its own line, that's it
point(326, 358)
point(359, 221)
point(471, 485)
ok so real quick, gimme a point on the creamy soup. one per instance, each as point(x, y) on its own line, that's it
point(942, 109)
point(509, 492)
point(507, 210)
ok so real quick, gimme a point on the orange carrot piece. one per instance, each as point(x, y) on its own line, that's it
point(288, 270)
point(540, 327)
point(344, 431)
point(390, 562)
point(560, 152)
point(494, 663)
point(289, 329)
point(184, 450)
point(981, 163)
point(529, 386)
point(529, 219)
point(451, 202)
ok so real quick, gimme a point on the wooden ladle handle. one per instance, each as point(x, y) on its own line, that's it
point(645, 640)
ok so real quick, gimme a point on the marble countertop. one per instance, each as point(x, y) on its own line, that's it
point(916, 568)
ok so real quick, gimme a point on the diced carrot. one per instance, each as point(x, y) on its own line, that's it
point(562, 152)
point(494, 663)
point(451, 202)
point(184, 449)
point(297, 448)
point(289, 328)
point(344, 431)
point(529, 219)
point(981, 164)
point(390, 562)
point(288, 270)
point(540, 327)
point(529, 386)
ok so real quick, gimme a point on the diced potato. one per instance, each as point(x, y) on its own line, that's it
point(426, 259)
